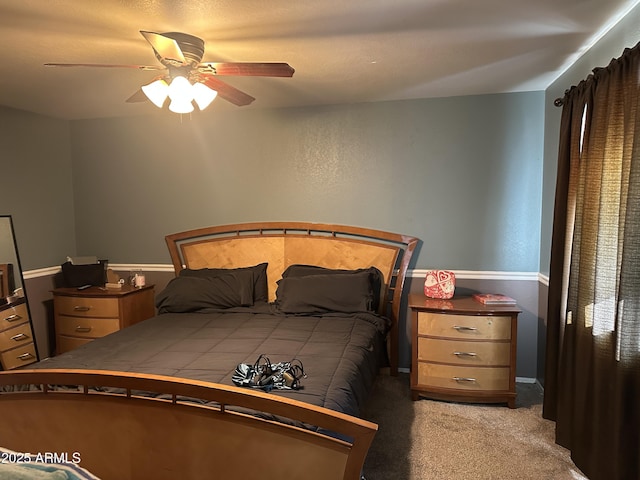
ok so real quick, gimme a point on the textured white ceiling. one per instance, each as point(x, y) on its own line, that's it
point(343, 51)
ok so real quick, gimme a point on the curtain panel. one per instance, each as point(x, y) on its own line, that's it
point(592, 370)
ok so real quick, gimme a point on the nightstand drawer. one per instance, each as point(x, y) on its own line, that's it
point(86, 327)
point(14, 316)
point(87, 307)
point(16, 336)
point(463, 378)
point(464, 326)
point(17, 357)
point(464, 353)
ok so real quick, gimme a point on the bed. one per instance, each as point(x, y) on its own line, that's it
point(159, 397)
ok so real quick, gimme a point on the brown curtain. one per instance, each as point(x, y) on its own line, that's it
point(592, 373)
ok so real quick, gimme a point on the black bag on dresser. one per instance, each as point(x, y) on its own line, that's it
point(88, 274)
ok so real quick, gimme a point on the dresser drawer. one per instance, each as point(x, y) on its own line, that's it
point(86, 327)
point(16, 336)
point(462, 352)
point(13, 316)
point(23, 355)
point(463, 378)
point(485, 327)
point(87, 306)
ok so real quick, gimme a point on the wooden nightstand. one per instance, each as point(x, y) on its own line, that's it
point(84, 315)
point(16, 336)
point(462, 350)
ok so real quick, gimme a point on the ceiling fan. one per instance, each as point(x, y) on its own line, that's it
point(180, 55)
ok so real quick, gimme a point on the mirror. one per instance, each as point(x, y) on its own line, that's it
point(17, 342)
point(10, 272)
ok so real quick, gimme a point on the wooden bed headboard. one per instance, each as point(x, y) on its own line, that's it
point(281, 244)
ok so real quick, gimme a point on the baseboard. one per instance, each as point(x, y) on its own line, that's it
point(526, 380)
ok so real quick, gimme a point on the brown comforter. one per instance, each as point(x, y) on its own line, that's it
point(341, 353)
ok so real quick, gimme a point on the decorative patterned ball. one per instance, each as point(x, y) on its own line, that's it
point(439, 284)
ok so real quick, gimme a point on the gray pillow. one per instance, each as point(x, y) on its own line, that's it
point(375, 277)
point(260, 287)
point(193, 293)
point(324, 293)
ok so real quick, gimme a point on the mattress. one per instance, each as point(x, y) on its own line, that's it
point(341, 352)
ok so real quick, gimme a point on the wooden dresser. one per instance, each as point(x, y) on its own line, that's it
point(17, 347)
point(84, 315)
point(462, 350)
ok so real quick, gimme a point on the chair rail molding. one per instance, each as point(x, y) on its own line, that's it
point(484, 275)
point(416, 273)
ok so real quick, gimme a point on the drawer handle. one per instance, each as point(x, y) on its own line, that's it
point(462, 328)
point(83, 329)
point(81, 308)
point(465, 354)
point(464, 379)
point(19, 336)
point(25, 356)
point(13, 318)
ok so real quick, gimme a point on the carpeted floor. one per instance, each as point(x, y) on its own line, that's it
point(432, 440)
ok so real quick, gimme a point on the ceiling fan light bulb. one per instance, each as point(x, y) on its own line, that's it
point(156, 92)
point(203, 95)
point(180, 90)
point(178, 106)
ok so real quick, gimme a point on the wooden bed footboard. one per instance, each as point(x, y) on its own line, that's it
point(131, 436)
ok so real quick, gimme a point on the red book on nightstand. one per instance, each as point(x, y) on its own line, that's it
point(493, 299)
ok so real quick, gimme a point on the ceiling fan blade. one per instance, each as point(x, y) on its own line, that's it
point(103, 65)
point(137, 97)
point(165, 47)
point(226, 91)
point(246, 69)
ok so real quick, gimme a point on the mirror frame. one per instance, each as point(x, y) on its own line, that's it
point(19, 291)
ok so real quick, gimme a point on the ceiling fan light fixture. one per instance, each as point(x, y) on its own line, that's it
point(180, 90)
point(203, 95)
point(156, 92)
point(180, 56)
point(181, 106)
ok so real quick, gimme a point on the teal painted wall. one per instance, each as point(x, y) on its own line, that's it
point(37, 188)
point(625, 34)
point(464, 174)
